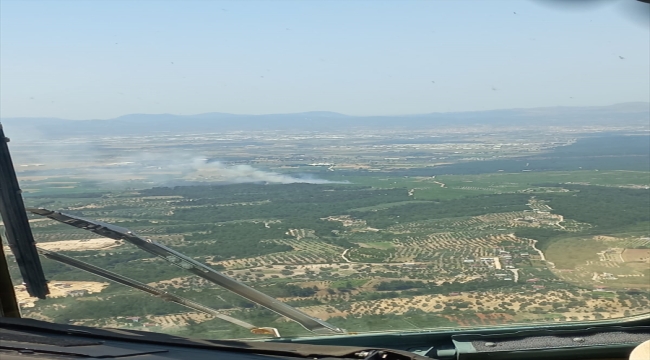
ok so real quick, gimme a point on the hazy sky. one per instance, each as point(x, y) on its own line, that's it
point(102, 59)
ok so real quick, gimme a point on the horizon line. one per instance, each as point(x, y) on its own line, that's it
point(327, 111)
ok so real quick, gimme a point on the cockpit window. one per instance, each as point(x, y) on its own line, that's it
point(257, 169)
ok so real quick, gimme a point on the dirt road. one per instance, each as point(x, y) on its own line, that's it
point(343, 256)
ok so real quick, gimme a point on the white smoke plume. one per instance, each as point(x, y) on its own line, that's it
point(218, 171)
point(153, 169)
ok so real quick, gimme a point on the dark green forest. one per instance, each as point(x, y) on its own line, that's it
point(213, 230)
point(470, 206)
point(606, 208)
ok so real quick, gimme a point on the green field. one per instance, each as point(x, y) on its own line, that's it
point(569, 253)
point(577, 259)
point(521, 181)
point(459, 186)
point(385, 206)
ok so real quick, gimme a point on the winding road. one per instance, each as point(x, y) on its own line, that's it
point(343, 256)
point(541, 254)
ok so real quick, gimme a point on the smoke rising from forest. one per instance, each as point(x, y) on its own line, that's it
point(248, 174)
point(152, 168)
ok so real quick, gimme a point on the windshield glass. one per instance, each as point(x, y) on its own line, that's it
point(373, 166)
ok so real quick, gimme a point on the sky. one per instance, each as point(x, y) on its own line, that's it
point(103, 59)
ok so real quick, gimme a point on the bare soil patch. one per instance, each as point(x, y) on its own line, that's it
point(60, 289)
point(323, 312)
point(636, 255)
point(81, 245)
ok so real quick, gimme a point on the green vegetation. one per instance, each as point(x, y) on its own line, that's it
point(239, 239)
point(396, 285)
point(348, 284)
point(394, 245)
point(544, 236)
point(412, 320)
point(568, 252)
point(605, 208)
point(471, 206)
point(289, 290)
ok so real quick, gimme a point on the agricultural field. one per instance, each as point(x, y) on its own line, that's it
point(610, 261)
point(372, 239)
point(60, 289)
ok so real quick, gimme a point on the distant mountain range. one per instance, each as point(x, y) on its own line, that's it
point(637, 113)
